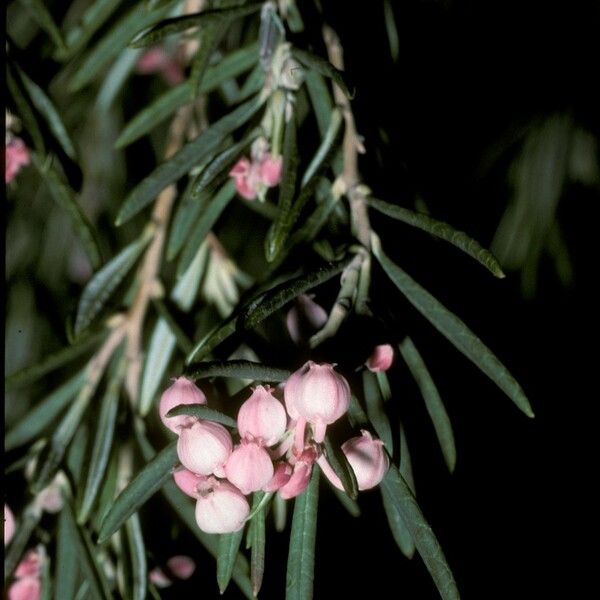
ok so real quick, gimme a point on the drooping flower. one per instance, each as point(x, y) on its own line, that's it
point(16, 156)
point(204, 448)
point(249, 467)
point(381, 359)
point(25, 588)
point(262, 418)
point(182, 567)
point(182, 391)
point(158, 60)
point(187, 481)
point(281, 475)
point(304, 318)
point(30, 565)
point(221, 507)
point(252, 177)
point(9, 525)
point(301, 473)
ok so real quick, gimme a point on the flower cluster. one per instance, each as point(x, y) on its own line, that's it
point(28, 574)
point(278, 444)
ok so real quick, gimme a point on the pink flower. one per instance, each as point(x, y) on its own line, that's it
point(30, 565)
point(249, 467)
point(183, 391)
point(188, 482)
point(9, 525)
point(304, 319)
point(204, 448)
point(381, 359)
point(221, 507)
point(158, 577)
point(25, 588)
point(270, 170)
point(252, 177)
point(262, 418)
point(367, 458)
point(16, 156)
point(300, 478)
point(283, 472)
point(157, 60)
point(182, 567)
point(318, 395)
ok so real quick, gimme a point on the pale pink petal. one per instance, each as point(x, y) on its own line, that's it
point(381, 359)
point(158, 578)
point(182, 567)
point(25, 588)
point(16, 156)
point(151, 61)
point(30, 565)
point(9, 525)
point(270, 170)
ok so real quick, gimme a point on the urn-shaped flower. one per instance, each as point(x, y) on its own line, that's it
point(221, 507)
point(262, 418)
point(249, 467)
point(204, 447)
point(183, 391)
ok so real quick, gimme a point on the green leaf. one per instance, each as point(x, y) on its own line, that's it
point(40, 416)
point(102, 444)
point(384, 385)
point(257, 560)
point(376, 410)
point(67, 560)
point(27, 523)
point(115, 79)
point(325, 68)
point(41, 14)
point(208, 42)
point(339, 463)
point(443, 231)
point(219, 18)
point(229, 546)
point(398, 528)
point(433, 401)
point(253, 83)
point(102, 285)
point(404, 502)
point(326, 146)
point(453, 329)
point(236, 369)
point(280, 512)
point(284, 220)
point(350, 505)
point(392, 30)
point(65, 197)
point(301, 557)
point(137, 552)
point(111, 45)
point(158, 110)
point(47, 109)
point(198, 151)
point(202, 412)
point(182, 339)
point(205, 223)
point(147, 482)
point(406, 469)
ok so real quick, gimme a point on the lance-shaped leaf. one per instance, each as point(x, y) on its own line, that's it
point(376, 410)
point(202, 412)
point(284, 220)
point(398, 528)
point(102, 444)
point(196, 152)
point(254, 82)
point(209, 40)
point(114, 42)
point(443, 231)
point(325, 68)
point(433, 401)
point(320, 98)
point(326, 146)
point(301, 556)
point(115, 79)
point(350, 505)
point(39, 417)
point(67, 570)
point(257, 559)
point(339, 463)
point(453, 329)
point(427, 545)
point(137, 553)
point(280, 512)
point(217, 17)
point(64, 196)
point(147, 482)
point(28, 521)
point(47, 109)
point(236, 369)
point(166, 104)
point(229, 546)
point(41, 14)
point(102, 285)
point(30, 123)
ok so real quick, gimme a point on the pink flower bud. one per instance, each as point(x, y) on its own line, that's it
point(16, 156)
point(368, 459)
point(249, 467)
point(182, 567)
point(172, 72)
point(283, 472)
point(381, 358)
point(304, 319)
point(270, 170)
point(300, 478)
point(188, 482)
point(246, 178)
point(182, 391)
point(151, 61)
point(158, 577)
point(204, 447)
point(221, 507)
point(9, 525)
point(25, 588)
point(317, 394)
point(30, 565)
point(262, 418)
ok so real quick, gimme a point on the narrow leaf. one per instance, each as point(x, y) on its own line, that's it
point(236, 369)
point(49, 112)
point(42, 414)
point(67, 560)
point(280, 512)
point(27, 523)
point(433, 402)
point(453, 329)
point(320, 98)
point(166, 104)
point(182, 339)
point(147, 482)
point(30, 123)
point(301, 557)
point(102, 285)
point(229, 546)
point(41, 14)
point(398, 528)
point(376, 410)
point(115, 79)
point(325, 68)
point(257, 560)
point(443, 231)
point(206, 18)
point(202, 412)
point(326, 145)
point(350, 505)
point(198, 151)
point(339, 463)
point(402, 499)
point(137, 552)
point(208, 42)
